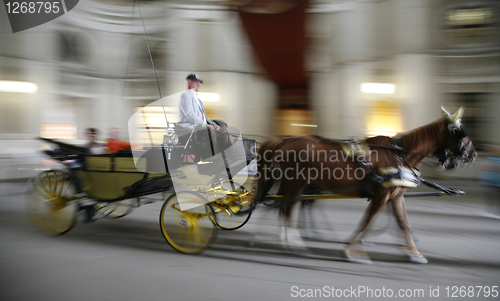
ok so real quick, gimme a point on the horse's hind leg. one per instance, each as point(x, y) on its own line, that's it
point(398, 205)
point(376, 204)
point(290, 234)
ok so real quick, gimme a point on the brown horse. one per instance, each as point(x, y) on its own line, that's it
point(383, 172)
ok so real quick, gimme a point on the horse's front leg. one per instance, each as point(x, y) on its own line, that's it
point(353, 252)
point(398, 206)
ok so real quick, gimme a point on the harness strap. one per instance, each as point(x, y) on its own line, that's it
point(430, 184)
point(398, 142)
point(376, 178)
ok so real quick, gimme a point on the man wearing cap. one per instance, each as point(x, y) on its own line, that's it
point(192, 112)
point(191, 109)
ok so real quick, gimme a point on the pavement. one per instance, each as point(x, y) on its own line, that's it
point(128, 259)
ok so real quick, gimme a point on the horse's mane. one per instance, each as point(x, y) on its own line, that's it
point(424, 138)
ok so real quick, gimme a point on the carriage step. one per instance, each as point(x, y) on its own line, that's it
point(95, 212)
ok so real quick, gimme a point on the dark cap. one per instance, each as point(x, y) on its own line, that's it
point(194, 77)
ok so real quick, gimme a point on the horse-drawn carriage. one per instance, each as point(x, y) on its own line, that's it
point(111, 185)
point(206, 195)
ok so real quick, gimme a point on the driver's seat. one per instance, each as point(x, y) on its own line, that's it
point(194, 143)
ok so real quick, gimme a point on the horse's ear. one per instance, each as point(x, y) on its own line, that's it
point(444, 112)
point(458, 114)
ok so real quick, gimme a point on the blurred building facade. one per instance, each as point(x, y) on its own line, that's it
point(92, 67)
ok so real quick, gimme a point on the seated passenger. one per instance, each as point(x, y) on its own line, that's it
point(192, 113)
point(94, 147)
point(114, 144)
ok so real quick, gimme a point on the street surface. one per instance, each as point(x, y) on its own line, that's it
point(128, 259)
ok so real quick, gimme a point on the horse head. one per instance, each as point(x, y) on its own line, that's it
point(458, 145)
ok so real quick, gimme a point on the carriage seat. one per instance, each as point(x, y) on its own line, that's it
point(193, 146)
point(192, 139)
point(163, 157)
point(183, 133)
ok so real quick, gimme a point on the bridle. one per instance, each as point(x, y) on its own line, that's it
point(448, 159)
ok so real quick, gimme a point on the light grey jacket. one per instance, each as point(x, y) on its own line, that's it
point(189, 110)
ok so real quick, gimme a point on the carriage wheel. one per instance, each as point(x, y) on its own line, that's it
point(119, 209)
point(229, 221)
point(50, 202)
point(186, 222)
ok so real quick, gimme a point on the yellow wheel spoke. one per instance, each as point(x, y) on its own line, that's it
point(64, 193)
point(39, 200)
point(64, 186)
point(56, 181)
point(197, 237)
point(40, 193)
point(48, 195)
point(47, 176)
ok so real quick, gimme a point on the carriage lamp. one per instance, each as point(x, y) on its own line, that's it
point(378, 88)
point(17, 87)
point(170, 138)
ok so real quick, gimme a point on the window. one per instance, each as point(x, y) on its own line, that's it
point(471, 26)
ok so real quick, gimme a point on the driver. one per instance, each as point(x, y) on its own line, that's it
point(192, 113)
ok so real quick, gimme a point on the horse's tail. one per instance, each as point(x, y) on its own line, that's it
point(265, 166)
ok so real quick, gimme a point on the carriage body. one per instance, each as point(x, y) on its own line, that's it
point(105, 177)
point(116, 183)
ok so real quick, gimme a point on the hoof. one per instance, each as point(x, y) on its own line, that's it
point(292, 240)
point(415, 256)
point(356, 259)
point(418, 259)
point(357, 256)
